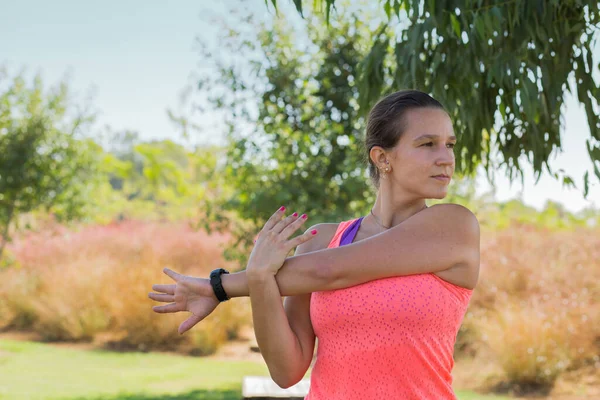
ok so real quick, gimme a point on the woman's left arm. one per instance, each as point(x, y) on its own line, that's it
point(435, 239)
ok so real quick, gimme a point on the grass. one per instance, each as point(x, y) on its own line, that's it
point(40, 371)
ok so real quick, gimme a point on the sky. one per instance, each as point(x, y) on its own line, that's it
point(135, 57)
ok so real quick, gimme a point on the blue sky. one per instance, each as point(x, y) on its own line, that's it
point(136, 57)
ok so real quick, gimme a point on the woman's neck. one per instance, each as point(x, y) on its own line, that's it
point(388, 213)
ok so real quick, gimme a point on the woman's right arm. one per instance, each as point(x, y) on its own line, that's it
point(285, 335)
point(297, 308)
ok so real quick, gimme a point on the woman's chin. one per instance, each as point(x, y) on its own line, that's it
point(438, 194)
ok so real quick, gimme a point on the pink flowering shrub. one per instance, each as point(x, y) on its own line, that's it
point(75, 285)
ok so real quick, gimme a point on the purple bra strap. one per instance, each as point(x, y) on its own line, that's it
point(350, 232)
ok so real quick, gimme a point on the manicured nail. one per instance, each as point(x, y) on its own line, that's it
point(314, 231)
point(304, 216)
point(282, 208)
point(295, 214)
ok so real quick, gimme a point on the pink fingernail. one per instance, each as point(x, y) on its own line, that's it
point(314, 231)
point(282, 208)
point(295, 214)
point(304, 216)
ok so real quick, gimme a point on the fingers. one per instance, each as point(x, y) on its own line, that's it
point(302, 238)
point(275, 218)
point(172, 274)
point(189, 323)
point(293, 226)
point(168, 308)
point(168, 289)
point(165, 298)
point(286, 222)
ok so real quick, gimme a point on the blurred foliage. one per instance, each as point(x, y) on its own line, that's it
point(501, 68)
point(156, 180)
point(294, 132)
point(44, 164)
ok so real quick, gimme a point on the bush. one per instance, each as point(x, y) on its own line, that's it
point(75, 285)
point(534, 308)
point(16, 299)
point(71, 304)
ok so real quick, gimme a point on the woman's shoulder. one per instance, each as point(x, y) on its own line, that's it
point(463, 220)
point(452, 207)
point(454, 212)
point(326, 232)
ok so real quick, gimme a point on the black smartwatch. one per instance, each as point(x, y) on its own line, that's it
point(215, 282)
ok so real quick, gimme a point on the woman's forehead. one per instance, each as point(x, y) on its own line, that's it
point(428, 121)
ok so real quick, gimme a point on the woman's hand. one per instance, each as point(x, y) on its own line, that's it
point(272, 245)
point(187, 294)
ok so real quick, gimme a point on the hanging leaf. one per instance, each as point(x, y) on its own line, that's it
point(298, 4)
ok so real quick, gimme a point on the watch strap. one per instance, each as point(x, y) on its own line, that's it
point(217, 285)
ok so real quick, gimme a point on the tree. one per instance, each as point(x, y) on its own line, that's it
point(500, 67)
point(43, 163)
point(294, 133)
point(154, 177)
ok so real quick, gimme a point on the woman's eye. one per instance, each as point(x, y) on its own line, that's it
point(430, 144)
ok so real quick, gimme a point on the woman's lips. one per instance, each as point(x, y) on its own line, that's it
point(442, 178)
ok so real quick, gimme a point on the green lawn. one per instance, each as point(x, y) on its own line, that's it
point(39, 371)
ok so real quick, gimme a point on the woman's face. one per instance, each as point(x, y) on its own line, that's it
point(423, 153)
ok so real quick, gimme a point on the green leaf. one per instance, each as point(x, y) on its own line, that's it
point(387, 7)
point(455, 25)
point(298, 4)
point(568, 181)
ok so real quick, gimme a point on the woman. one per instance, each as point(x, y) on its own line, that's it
point(385, 293)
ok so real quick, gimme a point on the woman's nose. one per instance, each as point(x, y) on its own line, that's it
point(445, 157)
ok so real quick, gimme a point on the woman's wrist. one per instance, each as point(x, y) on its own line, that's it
point(235, 284)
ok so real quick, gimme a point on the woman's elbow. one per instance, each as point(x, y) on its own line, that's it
point(286, 382)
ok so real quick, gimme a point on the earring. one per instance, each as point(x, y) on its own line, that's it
point(383, 172)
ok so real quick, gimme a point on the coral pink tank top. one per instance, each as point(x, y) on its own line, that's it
point(391, 338)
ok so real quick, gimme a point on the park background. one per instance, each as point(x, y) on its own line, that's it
point(135, 136)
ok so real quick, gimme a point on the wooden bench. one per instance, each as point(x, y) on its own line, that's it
point(264, 388)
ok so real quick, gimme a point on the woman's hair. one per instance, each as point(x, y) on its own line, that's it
point(386, 122)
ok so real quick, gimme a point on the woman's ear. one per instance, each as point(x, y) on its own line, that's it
point(378, 156)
